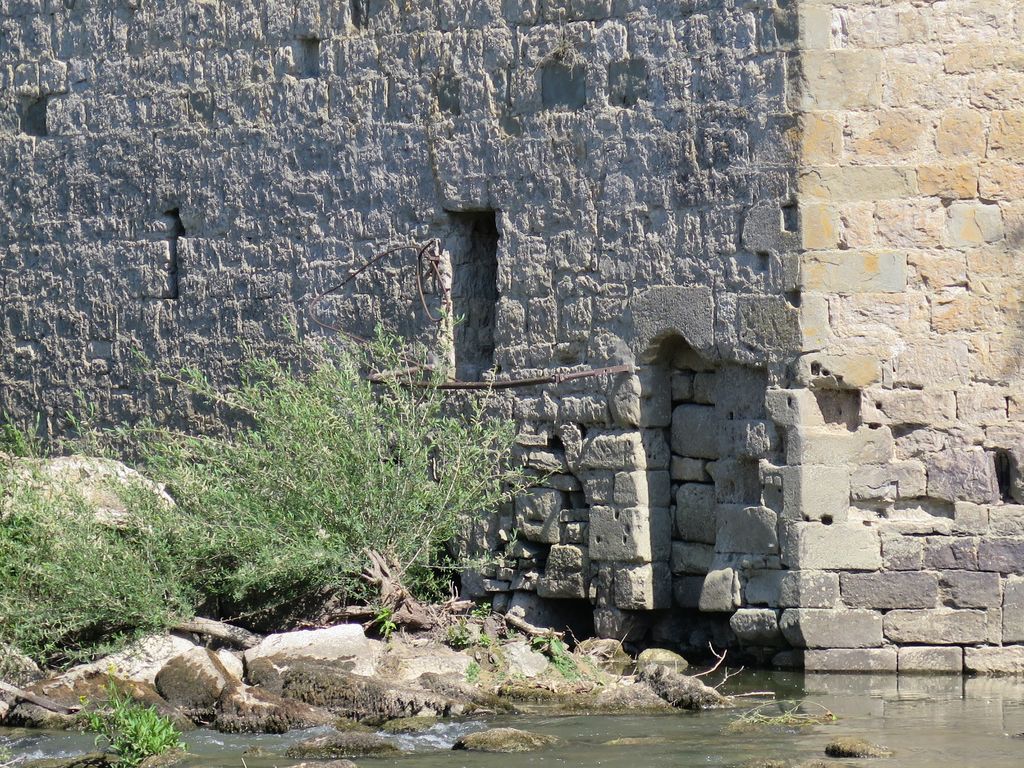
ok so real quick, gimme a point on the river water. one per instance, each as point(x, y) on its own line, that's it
point(928, 722)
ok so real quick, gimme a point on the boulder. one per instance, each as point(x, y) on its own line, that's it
point(332, 686)
point(522, 661)
point(338, 745)
point(244, 709)
point(629, 698)
point(193, 682)
point(168, 759)
point(17, 668)
point(848, 746)
point(405, 660)
point(344, 645)
point(680, 691)
point(139, 662)
point(88, 760)
point(661, 657)
point(409, 725)
point(606, 654)
point(504, 740)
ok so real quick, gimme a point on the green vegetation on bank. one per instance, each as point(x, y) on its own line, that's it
point(271, 516)
point(132, 732)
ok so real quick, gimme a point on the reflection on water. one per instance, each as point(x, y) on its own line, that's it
point(929, 721)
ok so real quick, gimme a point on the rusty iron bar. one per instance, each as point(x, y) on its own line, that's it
point(429, 252)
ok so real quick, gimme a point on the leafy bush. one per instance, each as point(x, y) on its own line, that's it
point(133, 732)
point(318, 469)
point(73, 585)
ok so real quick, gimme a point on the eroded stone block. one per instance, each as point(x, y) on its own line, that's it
point(900, 589)
point(931, 661)
point(851, 660)
point(824, 628)
point(941, 626)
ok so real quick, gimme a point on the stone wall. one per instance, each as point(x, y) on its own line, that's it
point(795, 223)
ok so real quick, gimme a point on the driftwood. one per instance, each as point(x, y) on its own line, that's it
point(39, 701)
point(406, 610)
point(529, 629)
point(221, 631)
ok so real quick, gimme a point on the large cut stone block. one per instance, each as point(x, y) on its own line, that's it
point(757, 627)
point(995, 661)
point(888, 482)
point(963, 475)
point(850, 660)
point(643, 587)
point(899, 589)
point(1013, 610)
point(539, 503)
point(613, 450)
point(841, 79)
point(695, 518)
point(823, 628)
point(813, 546)
point(763, 587)
point(942, 626)
point(1001, 555)
point(642, 489)
point(854, 271)
point(747, 530)
point(807, 492)
point(565, 573)
point(663, 311)
point(809, 589)
point(690, 558)
point(720, 592)
point(970, 589)
point(695, 431)
point(931, 661)
point(686, 591)
point(826, 447)
point(635, 535)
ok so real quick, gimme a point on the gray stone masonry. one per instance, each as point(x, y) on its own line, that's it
point(792, 226)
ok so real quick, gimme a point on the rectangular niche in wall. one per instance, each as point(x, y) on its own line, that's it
point(473, 245)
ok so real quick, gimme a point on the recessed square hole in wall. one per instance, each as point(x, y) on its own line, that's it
point(473, 245)
point(360, 14)
point(563, 85)
point(449, 96)
point(627, 82)
point(175, 229)
point(32, 115)
point(790, 217)
point(307, 57)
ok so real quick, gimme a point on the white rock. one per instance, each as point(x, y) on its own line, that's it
point(406, 661)
point(523, 660)
point(345, 642)
point(140, 661)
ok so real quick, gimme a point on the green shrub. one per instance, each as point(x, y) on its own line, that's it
point(132, 732)
point(318, 469)
point(73, 586)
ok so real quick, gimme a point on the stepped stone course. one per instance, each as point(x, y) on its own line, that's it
point(799, 224)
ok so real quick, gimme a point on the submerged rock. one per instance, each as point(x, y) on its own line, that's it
point(849, 746)
point(168, 759)
point(681, 691)
point(630, 697)
point(245, 709)
point(661, 657)
point(327, 764)
point(332, 686)
point(636, 741)
point(89, 760)
point(504, 740)
point(194, 681)
point(338, 745)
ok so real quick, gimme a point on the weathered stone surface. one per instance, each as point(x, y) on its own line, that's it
point(890, 590)
point(813, 546)
point(695, 518)
point(565, 573)
point(995, 661)
point(822, 628)
point(504, 740)
point(931, 661)
point(746, 529)
point(941, 626)
point(691, 558)
point(345, 643)
point(720, 591)
point(967, 589)
point(962, 476)
point(809, 589)
point(850, 660)
point(333, 746)
point(643, 587)
point(694, 432)
point(847, 746)
point(1013, 610)
point(661, 657)
point(1001, 555)
point(756, 626)
point(194, 681)
point(245, 709)
point(637, 535)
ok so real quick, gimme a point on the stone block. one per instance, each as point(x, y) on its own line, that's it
point(840, 79)
point(962, 475)
point(824, 628)
point(705, 387)
point(765, 587)
point(835, 371)
point(751, 440)
point(642, 489)
point(970, 518)
point(902, 553)
point(809, 589)
point(970, 589)
point(539, 503)
point(720, 592)
point(844, 184)
point(814, 546)
point(807, 492)
point(832, 448)
point(689, 470)
point(1001, 555)
point(931, 661)
point(898, 589)
point(636, 535)
point(643, 587)
point(879, 660)
point(695, 432)
point(995, 661)
point(682, 386)
point(908, 406)
point(932, 363)
point(539, 531)
point(757, 627)
point(972, 224)
point(613, 450)
point(1013, 610)
point(846, 272)
point(565, 574)
point(949, 182)
point(657, 454)
point(747, 530)
point(661, 311)
point(951, 553)
point(888, 482)
point(695, 518)
point(624, 626)
point(941, 626)
point(598, 487)
point(690, 558)
point(1006, 521)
